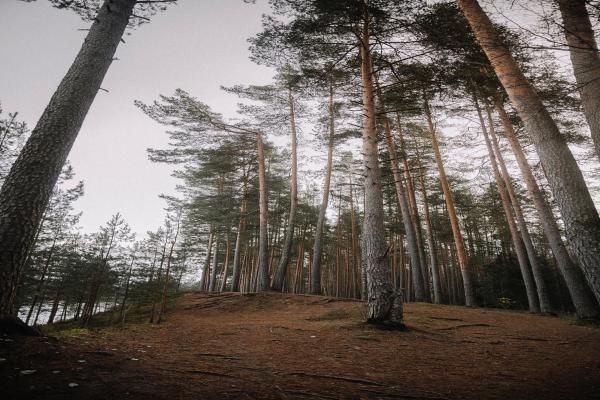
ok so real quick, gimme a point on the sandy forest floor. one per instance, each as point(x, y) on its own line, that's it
point(277, 346)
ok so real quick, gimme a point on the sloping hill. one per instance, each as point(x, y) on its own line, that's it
point(280, 346)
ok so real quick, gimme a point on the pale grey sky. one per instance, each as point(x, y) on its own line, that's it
point(196, 45)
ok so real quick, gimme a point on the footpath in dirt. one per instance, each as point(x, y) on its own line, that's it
point(278, 346)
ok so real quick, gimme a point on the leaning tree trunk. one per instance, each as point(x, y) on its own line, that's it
point(27, 188)
point(585, 59)
point(286, 250)
point(318, 247)
point(536, 268)
point(384, 303)
point(262, 281)
point(583, 300)
point(582, 223)
point(458, 239)
point(530, 288)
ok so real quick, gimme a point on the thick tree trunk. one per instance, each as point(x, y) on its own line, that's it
point(27, 188)
point(536, 268)
point(384, 304)
point(263, 244)
point(512, 226)
point(583, 300)
point(585, 59)
point(286, 251)
point(564, 176)
point(206, 266)
point(458, 239)
point(318, 247)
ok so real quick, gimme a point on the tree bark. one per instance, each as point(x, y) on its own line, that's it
point(458, 239)
point(530, 288)
point(585, 59)
point(27, 188)
point(573, 198)
point(318, 247)
point(263, 244)
point(384, 304)
point(583, 300)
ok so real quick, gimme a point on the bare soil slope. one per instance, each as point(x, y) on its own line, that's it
point(277, 346)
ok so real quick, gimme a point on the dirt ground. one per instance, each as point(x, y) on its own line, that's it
point(277, 346)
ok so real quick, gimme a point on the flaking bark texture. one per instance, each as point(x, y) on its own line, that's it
point(384, 304)
point(573, 198)
point(27, 188)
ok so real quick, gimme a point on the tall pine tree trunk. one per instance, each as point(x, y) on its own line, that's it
point(566, 181)
point(585, 59)
point(262, 282)
point(458, 239)
point(318, 247)
point(583, 300)
point(28, 186)
point(433, 261)
point(206, 266)
point(286, 251)
point(536, 268)
point(512, 226)
point(407, 220)
point(412, 200)
point(384, 303)
point(213, 269)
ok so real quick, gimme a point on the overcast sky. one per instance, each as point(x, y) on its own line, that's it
point(196, 45)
